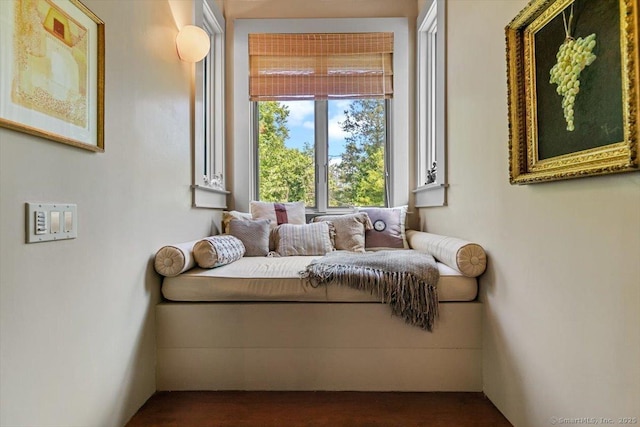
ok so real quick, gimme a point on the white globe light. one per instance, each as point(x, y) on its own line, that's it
point(192, 43)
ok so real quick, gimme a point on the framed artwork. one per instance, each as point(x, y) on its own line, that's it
point(52, 71)
point(572, 72)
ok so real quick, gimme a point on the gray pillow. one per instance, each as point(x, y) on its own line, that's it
point(254, 234)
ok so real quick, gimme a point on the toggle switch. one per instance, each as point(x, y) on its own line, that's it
point(40, 222)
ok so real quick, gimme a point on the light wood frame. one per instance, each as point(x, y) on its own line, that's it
point(32, 99)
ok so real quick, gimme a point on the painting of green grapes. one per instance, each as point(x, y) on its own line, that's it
point(578, 79)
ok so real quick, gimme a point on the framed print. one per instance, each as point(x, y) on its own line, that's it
point(52, 71)
point(572, 72)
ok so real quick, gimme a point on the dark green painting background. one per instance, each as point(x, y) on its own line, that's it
point(598, 105)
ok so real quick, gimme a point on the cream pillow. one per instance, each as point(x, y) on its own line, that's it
point(171, 260)
point(279, 213)
point(350, 230)
point(304, 239)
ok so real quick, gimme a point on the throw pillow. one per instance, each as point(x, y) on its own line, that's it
point(304, 239)
point(350, 230)
point(388, 227)
point(279, 213)
point(215, 251)
point(171, 260)
point(227, 217)
point(254, 235)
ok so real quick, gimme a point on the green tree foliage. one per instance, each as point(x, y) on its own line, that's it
point(286, 174)
point(359, 176)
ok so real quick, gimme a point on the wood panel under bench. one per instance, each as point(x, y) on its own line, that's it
point(315, 346)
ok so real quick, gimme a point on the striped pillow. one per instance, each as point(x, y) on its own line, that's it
point(304, 239)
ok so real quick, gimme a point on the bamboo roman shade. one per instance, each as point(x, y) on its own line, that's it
point(285, 67)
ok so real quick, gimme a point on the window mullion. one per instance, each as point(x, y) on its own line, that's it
point(322, 156)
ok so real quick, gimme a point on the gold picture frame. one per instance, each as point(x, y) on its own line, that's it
point(595, 130)
point(52, 71)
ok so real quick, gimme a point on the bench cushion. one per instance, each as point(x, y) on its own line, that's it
point(277, 279)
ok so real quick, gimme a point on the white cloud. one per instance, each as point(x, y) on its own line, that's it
point(308, 125)
point(299, 111)
point(335, 130)
point(342, 104)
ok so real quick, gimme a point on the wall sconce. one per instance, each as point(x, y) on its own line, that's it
point(192, 43)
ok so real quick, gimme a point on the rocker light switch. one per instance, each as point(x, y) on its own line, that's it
point(55, 222)
point(51, 221)
point(68, 221)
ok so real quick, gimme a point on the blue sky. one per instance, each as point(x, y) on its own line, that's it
point(301, 124)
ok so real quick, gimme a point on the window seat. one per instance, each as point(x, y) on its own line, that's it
point(217, 331)
point(278, 279)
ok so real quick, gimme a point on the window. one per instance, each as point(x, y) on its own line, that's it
point(329, 154)
point(321, 119)
point(208, 169)
point(318, 128)
point(430, 108)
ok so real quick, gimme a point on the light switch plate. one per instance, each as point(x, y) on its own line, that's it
point(47, 222)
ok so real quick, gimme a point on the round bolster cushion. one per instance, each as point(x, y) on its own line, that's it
point(172, 260)
point(466, 257)
point(218, 250)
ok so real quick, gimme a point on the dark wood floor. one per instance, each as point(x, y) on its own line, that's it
point(350, 409)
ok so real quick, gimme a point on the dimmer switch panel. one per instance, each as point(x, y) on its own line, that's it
point(46, 222)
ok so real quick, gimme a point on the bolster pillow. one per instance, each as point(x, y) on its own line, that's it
point(466, 257)
point(172, 260)
point(218, 250)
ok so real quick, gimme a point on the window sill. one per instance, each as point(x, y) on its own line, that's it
point(208, 197)
point(430, 187)
point(431, 195)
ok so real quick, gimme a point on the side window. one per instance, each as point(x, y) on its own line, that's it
point(208, 184)
point(430, 109)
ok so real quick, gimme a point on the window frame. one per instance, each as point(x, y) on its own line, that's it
point(398, 120)
point(431, 104)
point(321, 160)
point(208, 180)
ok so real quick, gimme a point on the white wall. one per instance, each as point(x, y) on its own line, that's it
point(77, 338)
point(562, 292)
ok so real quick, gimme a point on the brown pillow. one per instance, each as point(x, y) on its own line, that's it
point(350, 230)
point(253, 234)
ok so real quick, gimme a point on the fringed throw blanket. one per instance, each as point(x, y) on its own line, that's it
point(405, 279)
